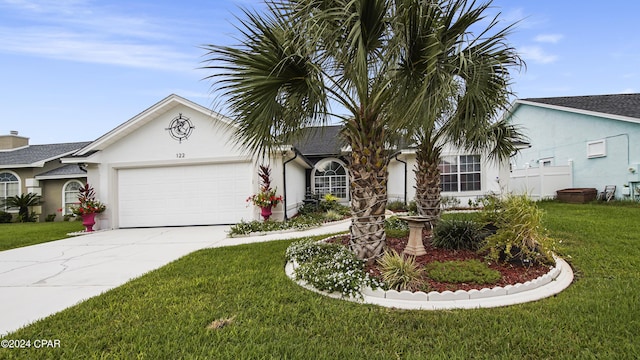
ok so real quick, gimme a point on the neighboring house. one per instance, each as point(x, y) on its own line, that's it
point(580, 142)
point(37, 169)
point(177, 163)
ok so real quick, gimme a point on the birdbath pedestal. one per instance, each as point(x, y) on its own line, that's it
point(416, 224)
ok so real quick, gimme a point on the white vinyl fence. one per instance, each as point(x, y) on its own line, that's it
point(541, 182)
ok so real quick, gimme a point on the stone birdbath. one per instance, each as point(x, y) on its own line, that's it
point(416, 224)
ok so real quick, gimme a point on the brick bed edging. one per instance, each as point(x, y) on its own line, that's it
point(549, 284)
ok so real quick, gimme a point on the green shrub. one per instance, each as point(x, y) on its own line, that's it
point(468, 271)
point(448, 202)
point(413, 207)
point(395, 227)
point(5, 217)
point(399, 272)
point(298, 222)
point(395, 223)
point(397, 205)
point(323, 206)
point(330, 267)
point(520, 234)
point(457, 234)
point(50, 218)
point(333, 215)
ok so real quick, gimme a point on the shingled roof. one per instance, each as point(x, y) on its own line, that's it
point(321, 141)
point(65, 171)
point(33, 155)
point(616, 104)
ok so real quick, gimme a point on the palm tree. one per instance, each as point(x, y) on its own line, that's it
point(470, 77)
point(498, 140)
point(302, 56)
point(22, 202)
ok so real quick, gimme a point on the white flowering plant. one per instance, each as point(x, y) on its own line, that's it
point(330, 267)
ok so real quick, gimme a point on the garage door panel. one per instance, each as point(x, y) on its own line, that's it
point(184, 195)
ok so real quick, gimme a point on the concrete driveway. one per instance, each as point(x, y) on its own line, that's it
point(40, 280)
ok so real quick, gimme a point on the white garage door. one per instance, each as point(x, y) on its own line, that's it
point(184, 195)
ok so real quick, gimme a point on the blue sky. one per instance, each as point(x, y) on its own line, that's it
point(72, 70)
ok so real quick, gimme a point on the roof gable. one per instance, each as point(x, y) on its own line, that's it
point(145, 117)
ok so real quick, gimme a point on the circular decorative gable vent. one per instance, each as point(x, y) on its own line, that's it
point(180, 128)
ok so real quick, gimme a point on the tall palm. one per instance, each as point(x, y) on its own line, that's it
point(497, 140)
point(470, 77)
point(297, 59)
point(23, 202)
point(301, 56)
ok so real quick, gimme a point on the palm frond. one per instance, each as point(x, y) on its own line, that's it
point(272, 85)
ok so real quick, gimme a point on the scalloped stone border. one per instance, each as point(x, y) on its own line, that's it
point(547, 285)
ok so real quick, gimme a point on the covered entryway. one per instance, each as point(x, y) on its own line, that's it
point(200, 194)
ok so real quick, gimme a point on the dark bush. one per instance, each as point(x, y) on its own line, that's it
point(397, 206)
point(5, 217)
point(458, 234)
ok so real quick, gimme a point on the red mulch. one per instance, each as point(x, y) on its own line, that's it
point(511, 273)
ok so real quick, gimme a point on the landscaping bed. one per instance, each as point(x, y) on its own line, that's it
point(511, 272)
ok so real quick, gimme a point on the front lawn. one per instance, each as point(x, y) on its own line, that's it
point(15, 235)
point(254, 311)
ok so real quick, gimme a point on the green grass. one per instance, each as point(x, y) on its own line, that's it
point(15, 235)
point(164, 314)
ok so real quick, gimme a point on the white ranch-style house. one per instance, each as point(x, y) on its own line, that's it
point(177, 164)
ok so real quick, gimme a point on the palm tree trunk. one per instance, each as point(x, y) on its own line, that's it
point(428, 180)
point(368, 189)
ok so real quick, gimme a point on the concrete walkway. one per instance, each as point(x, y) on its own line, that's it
point(40, 280)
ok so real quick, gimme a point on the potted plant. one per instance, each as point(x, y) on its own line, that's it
point(266, 199)
point(88, 207)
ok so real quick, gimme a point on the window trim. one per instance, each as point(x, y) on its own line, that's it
point(458, 174)
point(19, 182)
point(322, 163)
point(64, 193)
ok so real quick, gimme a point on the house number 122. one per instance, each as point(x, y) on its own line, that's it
point(180, 155)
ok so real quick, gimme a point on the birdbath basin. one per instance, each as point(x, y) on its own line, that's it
point(416, 224)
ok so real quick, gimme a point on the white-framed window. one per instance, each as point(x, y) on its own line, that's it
point(460, 173)
point(70, 192)
point(9, 186)
point(330, 177)
point(596, 149)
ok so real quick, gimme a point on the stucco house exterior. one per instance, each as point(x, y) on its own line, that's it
point(177, 163)
point(595, 138)
point(26, 168)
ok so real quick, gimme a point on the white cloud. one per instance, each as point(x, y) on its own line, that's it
point(79, 31)
point(536, 54)
point(549, 38)
point(90, 48)
point(628, 91)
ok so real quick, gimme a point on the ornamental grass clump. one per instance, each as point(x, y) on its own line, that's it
point(330, 267)
point(457, 234)
point(520, 234)
point(399, 272)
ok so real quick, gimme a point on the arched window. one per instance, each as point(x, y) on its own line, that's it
point(330, 177)
point(70, 192)
point(9, 186)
